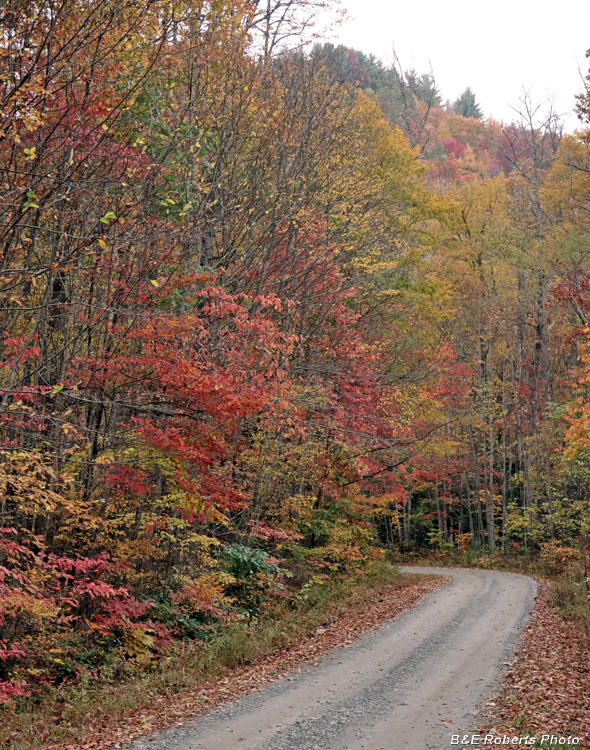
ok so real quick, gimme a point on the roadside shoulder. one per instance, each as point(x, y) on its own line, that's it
point(547, 688)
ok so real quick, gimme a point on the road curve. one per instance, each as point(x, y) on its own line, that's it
point(411, 684)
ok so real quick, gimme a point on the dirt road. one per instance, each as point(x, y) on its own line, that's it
point(409, 685)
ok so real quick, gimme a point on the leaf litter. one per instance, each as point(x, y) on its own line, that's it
point(547, 688)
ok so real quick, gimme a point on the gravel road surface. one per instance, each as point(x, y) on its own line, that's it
point(409, 685)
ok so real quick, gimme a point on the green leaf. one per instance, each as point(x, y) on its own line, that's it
point(31, 200)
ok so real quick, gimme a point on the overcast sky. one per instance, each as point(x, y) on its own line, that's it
point(495, 48)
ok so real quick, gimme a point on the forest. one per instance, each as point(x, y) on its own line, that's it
point(269, 313)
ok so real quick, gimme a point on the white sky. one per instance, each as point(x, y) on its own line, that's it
point(495, 48)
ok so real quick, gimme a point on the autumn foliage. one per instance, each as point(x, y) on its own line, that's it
point(255, 325)
point(193, 380)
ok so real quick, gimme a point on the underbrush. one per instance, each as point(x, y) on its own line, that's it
point(122, 686)
point(571, 597)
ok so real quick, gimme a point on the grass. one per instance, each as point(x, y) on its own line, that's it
point(123, 688)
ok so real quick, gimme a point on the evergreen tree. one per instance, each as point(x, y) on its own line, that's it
point(467, 106)
point(423, 87)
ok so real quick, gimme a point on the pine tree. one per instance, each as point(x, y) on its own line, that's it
point(467, 106)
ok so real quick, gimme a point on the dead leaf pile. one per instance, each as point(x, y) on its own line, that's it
point(547, 690)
